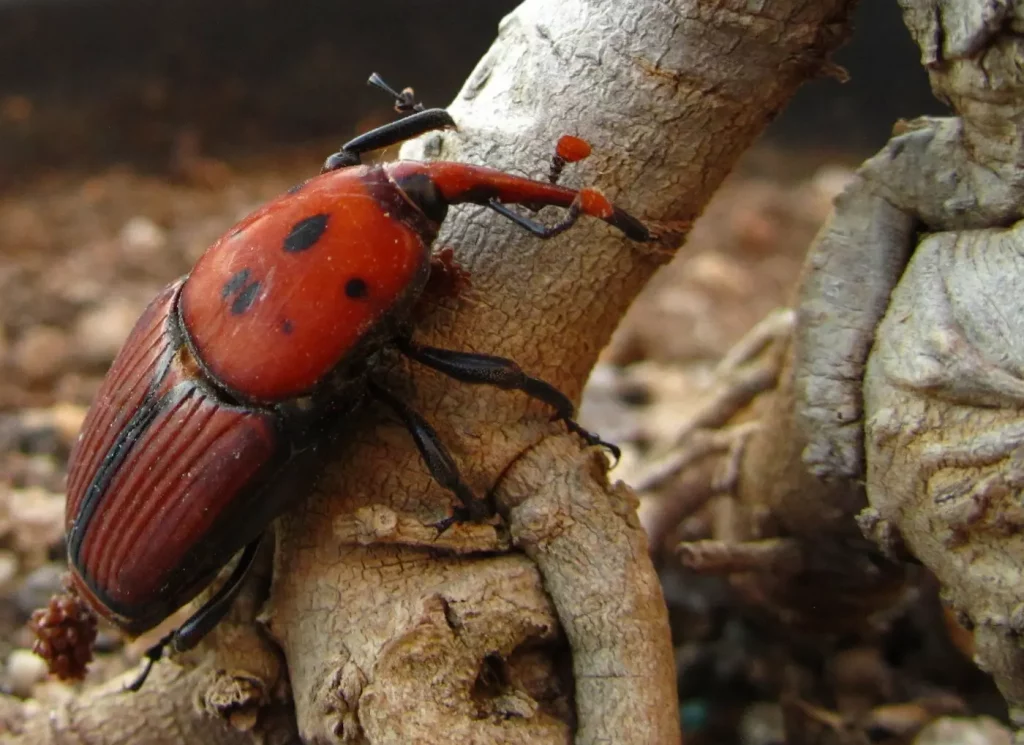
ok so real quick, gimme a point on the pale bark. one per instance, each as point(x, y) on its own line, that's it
point(900, 397)
point(391, 635)
point(943, 386)
point(174, 708)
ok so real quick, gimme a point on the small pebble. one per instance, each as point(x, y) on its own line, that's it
point(964, 731)
point(41, 353)
point(762, 724)
point(8, 567)
point(24, 670)
point(142, 239)
point(39, 586)
point(100, 332)
point(67, 420)
point(37, 518)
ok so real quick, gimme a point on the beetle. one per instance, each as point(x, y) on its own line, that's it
point(235, 370)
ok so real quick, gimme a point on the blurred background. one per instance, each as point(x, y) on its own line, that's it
point(134, 132)
point(85, 83)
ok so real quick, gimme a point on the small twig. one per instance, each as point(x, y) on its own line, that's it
point(773, 328)
point(699, 444)
point(770, 555)
point(742, 377)
point(729, 473)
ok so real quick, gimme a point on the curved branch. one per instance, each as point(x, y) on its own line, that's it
point(167, 711)
point(585, 539)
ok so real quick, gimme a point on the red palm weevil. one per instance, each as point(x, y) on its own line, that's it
point(233, 371)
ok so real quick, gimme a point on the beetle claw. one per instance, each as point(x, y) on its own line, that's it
point(152, 656)
point(593, 440)
point(459, 514)
point(475, 511)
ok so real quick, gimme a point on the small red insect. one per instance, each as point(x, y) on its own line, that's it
point(236, 370)
point(568, 149)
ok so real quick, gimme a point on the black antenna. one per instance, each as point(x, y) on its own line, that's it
point(405, 101)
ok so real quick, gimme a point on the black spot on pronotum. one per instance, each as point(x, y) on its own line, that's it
point(305, 233)
point(356, 288)
point(236, 283)
point(244, 300)
point(287, 326)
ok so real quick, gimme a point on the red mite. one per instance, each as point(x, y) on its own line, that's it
point(237, 369)
point(568, 149)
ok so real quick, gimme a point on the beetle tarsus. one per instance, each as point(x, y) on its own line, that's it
point(500, 372)
point(459, 515)
point(541, 231)
point(199, 623)
point(435, 455)
point(631, 227)
point(591, 439)
point(341, 159)
point(152, 656)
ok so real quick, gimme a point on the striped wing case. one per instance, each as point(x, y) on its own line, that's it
point(164, 482)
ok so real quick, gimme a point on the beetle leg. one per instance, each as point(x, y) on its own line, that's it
point(462, 183)
point(386, 135)
point(152, 656)
point(541, 231)
point(439, 461)
point(487, 369)
point(199, 623)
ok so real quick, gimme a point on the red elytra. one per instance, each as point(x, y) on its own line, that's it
point(235, 372)
point(162, 466)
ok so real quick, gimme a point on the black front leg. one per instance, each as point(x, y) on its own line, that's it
point(435, 455)
point(487, 369)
